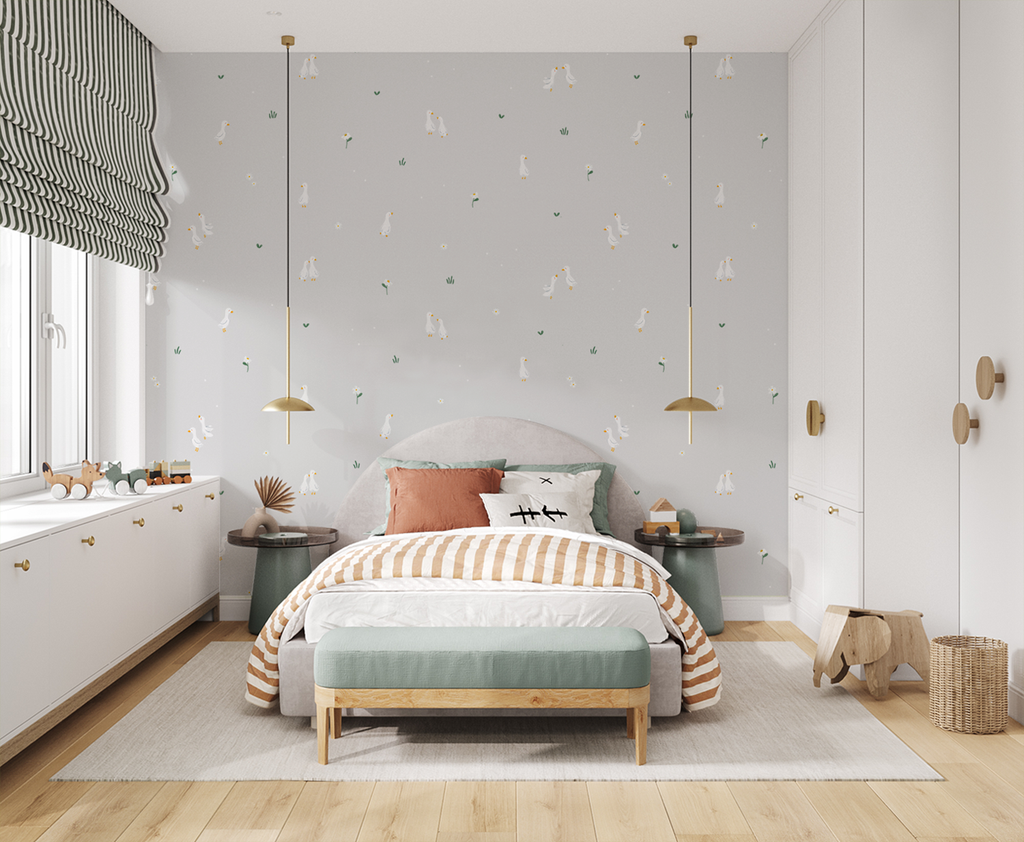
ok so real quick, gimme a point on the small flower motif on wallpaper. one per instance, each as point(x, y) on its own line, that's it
point(251, 180)
point(473, 200)
point(774, 394)
point(572, 383)
point(661, 362)
point(664, 178)
point(589, 169)
point(246, 362)
point(346, 137)
point(358, 393)
point(762, 137)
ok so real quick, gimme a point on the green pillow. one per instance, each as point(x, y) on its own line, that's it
point(386, 463)
point(599, 514)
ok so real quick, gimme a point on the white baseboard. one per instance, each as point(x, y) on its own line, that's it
point(234, 608)
point(756, 608)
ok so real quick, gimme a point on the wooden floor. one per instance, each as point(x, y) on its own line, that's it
point(981, 798)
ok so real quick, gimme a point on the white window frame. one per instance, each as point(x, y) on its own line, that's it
point(40, 355)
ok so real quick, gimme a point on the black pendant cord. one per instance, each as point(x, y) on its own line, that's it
point(288, 178)
point(691, 177)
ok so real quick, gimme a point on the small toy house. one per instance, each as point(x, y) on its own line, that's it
point(662, 518)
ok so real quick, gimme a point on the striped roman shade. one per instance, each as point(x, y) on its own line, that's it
point(78, 165)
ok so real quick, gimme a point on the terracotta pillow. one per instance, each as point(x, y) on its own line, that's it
point(434, 500)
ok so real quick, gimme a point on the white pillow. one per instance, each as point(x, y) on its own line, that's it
point(548, 509)
point(545, 482)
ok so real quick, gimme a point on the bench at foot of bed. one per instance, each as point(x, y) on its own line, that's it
point(482, 668)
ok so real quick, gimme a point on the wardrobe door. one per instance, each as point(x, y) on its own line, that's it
point(992, 325)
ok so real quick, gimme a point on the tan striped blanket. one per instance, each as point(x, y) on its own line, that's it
point(497, 556)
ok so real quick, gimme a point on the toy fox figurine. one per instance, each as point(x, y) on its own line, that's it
point(61, 485)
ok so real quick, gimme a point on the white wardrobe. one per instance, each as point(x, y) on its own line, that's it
point(905, 157)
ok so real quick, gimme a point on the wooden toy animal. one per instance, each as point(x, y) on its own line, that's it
point(61, 485)
point(122, 482)
point(881, 640)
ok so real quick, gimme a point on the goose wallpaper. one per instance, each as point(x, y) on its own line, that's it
point(476, 234)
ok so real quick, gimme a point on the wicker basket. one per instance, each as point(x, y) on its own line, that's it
point(968, 684)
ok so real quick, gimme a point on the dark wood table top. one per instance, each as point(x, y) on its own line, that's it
point(313, 536)
point(723, 537)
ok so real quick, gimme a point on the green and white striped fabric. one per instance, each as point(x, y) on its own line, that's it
point(78, 165)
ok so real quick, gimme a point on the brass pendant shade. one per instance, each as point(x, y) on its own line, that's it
point(690, 404)
point(288, 404)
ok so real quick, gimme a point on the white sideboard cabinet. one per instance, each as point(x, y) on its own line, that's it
point(89, 588)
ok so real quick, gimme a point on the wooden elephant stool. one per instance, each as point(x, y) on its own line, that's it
point(880, 640)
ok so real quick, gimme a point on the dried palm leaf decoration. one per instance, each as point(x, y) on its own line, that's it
point(274, 494)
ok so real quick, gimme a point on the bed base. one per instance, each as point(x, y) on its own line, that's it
point(295, 663)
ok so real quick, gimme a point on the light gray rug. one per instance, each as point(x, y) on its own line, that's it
point(771, 724)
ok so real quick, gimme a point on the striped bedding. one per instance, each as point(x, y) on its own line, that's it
point(498, 555)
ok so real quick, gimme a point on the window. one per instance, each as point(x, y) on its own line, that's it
point(45, 376)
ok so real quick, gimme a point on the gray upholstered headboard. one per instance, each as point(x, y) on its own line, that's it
point(471, 439)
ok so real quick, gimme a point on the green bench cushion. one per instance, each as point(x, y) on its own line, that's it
point(482, 657)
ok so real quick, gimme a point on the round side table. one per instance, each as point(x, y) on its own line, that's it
point(693, 564)
point(282, 562)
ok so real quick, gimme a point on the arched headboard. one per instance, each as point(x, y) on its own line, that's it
point(470, 439)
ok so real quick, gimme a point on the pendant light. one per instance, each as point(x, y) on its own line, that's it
point(288, 404)
point(690, 404)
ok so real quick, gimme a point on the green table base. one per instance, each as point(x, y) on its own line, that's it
point(695, 578)
point(278, 571)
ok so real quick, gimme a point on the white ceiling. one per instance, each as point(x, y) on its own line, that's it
point(521, 26)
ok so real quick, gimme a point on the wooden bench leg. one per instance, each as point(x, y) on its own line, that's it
point(335, 723)
point(323, 716)
point(630, 723)
point(639, 719)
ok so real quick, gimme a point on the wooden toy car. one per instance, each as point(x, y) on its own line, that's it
point(165, 473)
point(122, 482)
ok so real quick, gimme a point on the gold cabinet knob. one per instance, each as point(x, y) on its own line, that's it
point(986, 378)
point(798, 496)
point(832, 510)
point(141, 521)
point(24, 565)
point(815, 418)
point(90, 540)
point(210, 496)
point(179, 507)
point(963, 423)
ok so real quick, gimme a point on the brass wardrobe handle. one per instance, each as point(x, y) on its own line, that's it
point(90, 540)
point(141, 521)
point(815, 418)
point(798, 496)
point(832, 510)
point(209, 496)
point(179, 507)
point(24, 565)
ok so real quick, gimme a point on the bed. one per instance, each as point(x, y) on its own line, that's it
point(281, 665)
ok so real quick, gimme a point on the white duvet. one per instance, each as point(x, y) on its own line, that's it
point(404, 602)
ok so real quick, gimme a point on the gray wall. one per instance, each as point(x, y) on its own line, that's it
point(501, 252)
